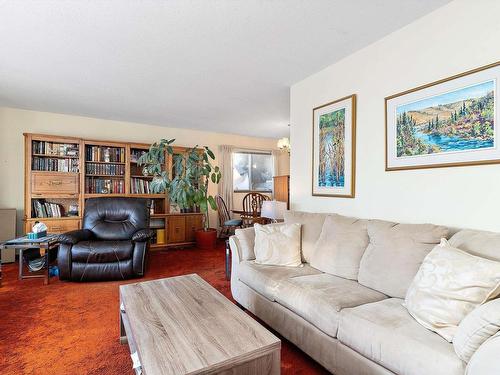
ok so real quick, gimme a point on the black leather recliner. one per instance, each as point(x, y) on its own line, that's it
point(112, 244)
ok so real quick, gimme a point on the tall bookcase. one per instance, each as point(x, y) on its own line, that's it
point(62, 172)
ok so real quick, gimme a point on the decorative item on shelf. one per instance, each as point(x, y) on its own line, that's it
point(39, 230)
point(334, 148)
point(273, 210)
point(284, 144)
point(446, 123)
point(73, 210)
point(192, 174)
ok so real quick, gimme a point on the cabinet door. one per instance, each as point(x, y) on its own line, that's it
point(63, 183)
point(176, 229)
point(193, 223)
point(55, 226)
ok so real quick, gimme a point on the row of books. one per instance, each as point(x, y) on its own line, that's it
point(107, 169)
point(139, 186)
point(105, 154)
point(51, 148)
point(104, 186)
point(42, 208)
point(55, 165)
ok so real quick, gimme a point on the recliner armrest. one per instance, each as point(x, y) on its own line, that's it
point(75, 236)
point(142, 235)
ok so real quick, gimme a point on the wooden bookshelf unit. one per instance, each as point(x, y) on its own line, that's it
point(62, 172)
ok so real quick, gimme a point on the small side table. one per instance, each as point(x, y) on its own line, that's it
point(46, 244)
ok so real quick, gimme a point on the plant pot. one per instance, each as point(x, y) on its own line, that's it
point(206, 239)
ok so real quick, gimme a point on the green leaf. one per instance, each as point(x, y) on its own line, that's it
point(211, 200)
point(210, 153)
point(216, 169)
point(213, 178)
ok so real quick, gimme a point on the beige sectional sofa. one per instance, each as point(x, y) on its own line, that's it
point(355, 323)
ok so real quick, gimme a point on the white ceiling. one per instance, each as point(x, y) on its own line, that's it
point(219, 65)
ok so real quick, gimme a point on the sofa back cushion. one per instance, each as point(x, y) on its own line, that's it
point(395, 253)
point(341, 245)
point(312, 223)
point(477, 242)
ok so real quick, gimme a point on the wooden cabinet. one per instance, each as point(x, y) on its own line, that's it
point(55, 225)
point(193, 223)
point(54, 182)
point(176, 229)
point(282, 189)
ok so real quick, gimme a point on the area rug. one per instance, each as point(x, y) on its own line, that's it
point(73, 328)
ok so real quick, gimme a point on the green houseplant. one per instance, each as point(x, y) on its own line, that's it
point(193, 173)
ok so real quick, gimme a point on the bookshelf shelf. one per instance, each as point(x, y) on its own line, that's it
point(113, 163)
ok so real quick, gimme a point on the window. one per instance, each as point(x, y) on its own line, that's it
point(252, 171)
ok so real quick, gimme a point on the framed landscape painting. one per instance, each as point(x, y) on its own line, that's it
point(452, 122)
point(334, 148)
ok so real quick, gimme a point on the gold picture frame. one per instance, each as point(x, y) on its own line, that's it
point(461, 81)
point(347, 184)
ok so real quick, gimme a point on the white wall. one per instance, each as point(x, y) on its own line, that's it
point(15, 122)
point(462, 35)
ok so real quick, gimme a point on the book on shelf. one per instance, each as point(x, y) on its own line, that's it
point(107, 169)
point(51, 148)
point(104, 186)
point(105, 154)
point(42, 208)
point(139, 186)
point(54, 165)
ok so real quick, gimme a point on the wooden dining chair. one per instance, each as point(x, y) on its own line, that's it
point(252, 206)
point(226, 224)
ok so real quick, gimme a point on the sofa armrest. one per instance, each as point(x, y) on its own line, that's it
point(485, 360)
point(75, 236)
point(234, 245)
point(142, 235)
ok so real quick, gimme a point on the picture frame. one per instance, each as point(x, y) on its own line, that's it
point(334, 148)
point(447, 123)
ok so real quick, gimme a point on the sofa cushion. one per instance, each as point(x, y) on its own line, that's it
point(101, 251)
point(448, 286)
point(341, 245)
point(277, 245)
point(312, 223)
point(385, 333)
point(478, 242)
point(319, 298)
point(476, 328)
point(265, 279)
point(246, 238)
point(395, 253)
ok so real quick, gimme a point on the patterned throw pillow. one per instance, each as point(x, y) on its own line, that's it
point(448, 286)
point(278, 245)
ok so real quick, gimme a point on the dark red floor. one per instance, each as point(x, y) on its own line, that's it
point(72, 328)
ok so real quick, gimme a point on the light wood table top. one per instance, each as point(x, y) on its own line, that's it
point(182, 325)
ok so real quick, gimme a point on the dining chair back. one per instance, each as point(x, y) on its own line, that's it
point(226, 224)
point(252, 205)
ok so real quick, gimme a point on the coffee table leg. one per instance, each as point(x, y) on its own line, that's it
point(20, 264)
point(47, 274)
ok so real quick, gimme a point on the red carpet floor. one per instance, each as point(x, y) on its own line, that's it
point(72, 328)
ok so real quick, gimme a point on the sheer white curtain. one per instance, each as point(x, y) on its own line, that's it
point(225, 187)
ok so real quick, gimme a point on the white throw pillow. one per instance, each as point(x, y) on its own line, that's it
point(278, 245)
point(476, 328)
point(449, 285)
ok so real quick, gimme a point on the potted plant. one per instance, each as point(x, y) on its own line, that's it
point(189, 187)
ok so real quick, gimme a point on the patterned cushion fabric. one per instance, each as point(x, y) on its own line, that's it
point(476, 328)
point(277, 245)
point(385, 333)
point(395, 253)
point(312, 223)
point(341, 245)
point(448, 286)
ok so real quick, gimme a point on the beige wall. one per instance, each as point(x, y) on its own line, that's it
point(455, 38)
point(15, 122)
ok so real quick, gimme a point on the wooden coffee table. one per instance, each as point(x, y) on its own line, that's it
point(182, 325)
